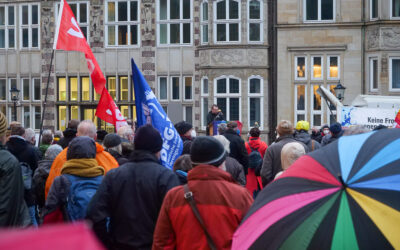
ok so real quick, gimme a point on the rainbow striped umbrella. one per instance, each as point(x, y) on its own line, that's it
point(343, 196)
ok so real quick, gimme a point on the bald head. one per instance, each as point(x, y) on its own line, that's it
point(87, 128)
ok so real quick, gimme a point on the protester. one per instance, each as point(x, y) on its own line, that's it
point(112, 144)
point(125, 208)
point(290, 153)
point(30, 136)
point(126, 133)
point(42, 172)
point(336, 133)
point(303, 136)
point(100, 136)
point(221, 203)
point(253, 181)
point(69, 133)
point(181, 168)
point(47, 140)
point(187, 134)
point(232, 165)
point(214, 115)
point(13, 209)
point(325, 131)
point(272, 159)
point(222, 128)
point(80, 177)
point(104, 159)
point(57, 136)
point(316, 134)
point(237, 147)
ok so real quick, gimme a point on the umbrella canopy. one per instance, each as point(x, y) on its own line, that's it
point(344, 196)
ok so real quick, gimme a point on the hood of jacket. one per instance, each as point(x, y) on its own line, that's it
point(255, 142)
point(16, 144)
point(45, 165)
point(142, 155)
point(303, 137)
point(208, 172)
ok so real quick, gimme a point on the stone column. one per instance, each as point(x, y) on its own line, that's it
point(148, 41)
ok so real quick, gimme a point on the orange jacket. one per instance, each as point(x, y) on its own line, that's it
point(104, 159)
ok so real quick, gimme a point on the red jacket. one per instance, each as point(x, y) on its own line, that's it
point(251, 178)
point(222, 205)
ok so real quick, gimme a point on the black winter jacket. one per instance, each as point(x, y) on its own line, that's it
point(237, 148)
point(69, 134)
point(130, 197)
point(236, 170)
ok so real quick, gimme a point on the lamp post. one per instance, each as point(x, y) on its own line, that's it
point(14, 98)
point(339, 91)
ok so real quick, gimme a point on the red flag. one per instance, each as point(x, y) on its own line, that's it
point(108, 111)
point(397, 120)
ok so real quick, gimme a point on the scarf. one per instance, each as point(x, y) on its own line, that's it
point(82, 167)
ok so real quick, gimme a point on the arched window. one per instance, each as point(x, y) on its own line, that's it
point(227, 21)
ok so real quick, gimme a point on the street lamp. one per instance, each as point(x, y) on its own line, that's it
point(339, 91)
point(15, 98)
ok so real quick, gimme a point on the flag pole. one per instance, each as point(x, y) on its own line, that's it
point(45, 97)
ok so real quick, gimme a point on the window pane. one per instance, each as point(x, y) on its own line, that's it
point(163, 88)
point(62, 117)
point(327, 9)
point(317, 71)
point(255, 111)
point(175, 88)
point(396, 8)
point(186, 33)
point(186, 9)
point(73, 8)
point(301, 117)
point(36, 89)
point(111, 11)
point(301, 91)
point(111, 35)
point(317, 120)
point(62, 89)
point(134, 34)
point(234, 109)
point(83, 13)
point(221, 32)
point(221, 86)
point(332, 89)
point(254, 8)
point(233, 9)
point(11, 38)
point(134, 11)
point(84, 31)
point(374, 8)
point(205, 33)
point(221, 102)
point(316, 98)
point(2, 15)
point(205, 86)
point(301, 67)
point(188, 88)
point(74, 113)
point(205, 12)
point(233, 32)
point(125, 111)
point(85, 88)
point(374, 77)
point(35, 18)
point(333, 67)
point(163, 9)
point(25, 86)
point(312, 9)
point(112, 87)
point(255, 32)
point(38, 116)
point(395, 73)
point(25, 38)
point(205, 111)
point(27, 117)
point(25, 15)
point(221, 10)
point(11, 15)
point(73, 88)
point(163, 33)
point(255, 86)
point(2, 89)
point(174, 35)
point(124, 88)
point(174, 9)
point(233, 86)
point(122, 35)
point(122, 11)
point(189, 114)
point(35, 37)
point(2, 38)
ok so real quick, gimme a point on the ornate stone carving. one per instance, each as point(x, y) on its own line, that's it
point(46, 22)
point(391, 37)
point(204, 58)
point(96, 23)
point(227, 57)
point(147, 25)
point(373, 38)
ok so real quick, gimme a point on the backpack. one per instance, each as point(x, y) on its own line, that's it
point(255, 159)
point(80, 194)
point(27, 173)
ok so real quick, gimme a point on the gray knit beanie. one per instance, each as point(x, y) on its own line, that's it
point(52, 152)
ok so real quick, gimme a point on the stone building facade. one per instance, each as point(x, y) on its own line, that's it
point(192, 53)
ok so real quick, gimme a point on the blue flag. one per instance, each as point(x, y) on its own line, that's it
point(149, 111)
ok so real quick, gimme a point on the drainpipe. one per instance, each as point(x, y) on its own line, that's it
point(363, 71)
point(272, 63)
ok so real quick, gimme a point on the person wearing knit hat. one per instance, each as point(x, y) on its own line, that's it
point(212, 188)
point(272, 158)
point(187, 134)
point(113, 144)
point(131, 195)
point(336, 133)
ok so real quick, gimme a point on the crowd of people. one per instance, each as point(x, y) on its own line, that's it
point(116, 181)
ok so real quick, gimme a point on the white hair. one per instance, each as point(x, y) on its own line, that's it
point(29, 135)
point(225, 142)
point(87, 128)
point(290, 153)
point(126, 132)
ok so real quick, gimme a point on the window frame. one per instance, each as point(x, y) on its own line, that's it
point(371, 10)
point(184, 115)
point(259, 21)
point(204, 22)
point(256, 95)
point(319, 20)
point(127, 23)
point(171, 87)
point(312, 110)
point(159, 88)
point(7, 27)
point(328, 76)
point(7, 90)
point(33, 92)
point(204, 96)
point(391, 89)
point(184, 89)
point(300, 112)
point(77, 17)
point(22, 92)
point(119, 83)
point(9, 87)
point(168, 21)
point(29, 26)
point(371, 73)
point(312, 68)
point(227, 21)
point(391, 12)
point(296, 78)
point(328, 111)
point(228, 95)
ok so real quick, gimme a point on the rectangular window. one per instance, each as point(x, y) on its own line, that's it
point(124, 88)
point(12, 84)
point(228, 97)
point(316, 70)
point(204, 102)
point(188, 114)
point(227, 21)
point(255, 102)
point(36, 89)
point(73, 88)
point(319, 10)
point(300, 102)
point(122, 23)
point(26, 116)
point(163, 88)
point(30, 26)
point(300, 68)
point(112, 86)
point(394, 74)
point(175, 89)
point(74, 113)
point(188, 88)
point(204, 22)
point(81, 13)
point(395, 5)
point(124, 111)
point(174, 22)
point(62, 89)
point(25, 89)
point(62, 117)
point(38, 116)
point(85, 88)
point(374, 9)
point(7, 26)
point(3, 89)
point(255, 21)
point(373, 74)
point(333, 68)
